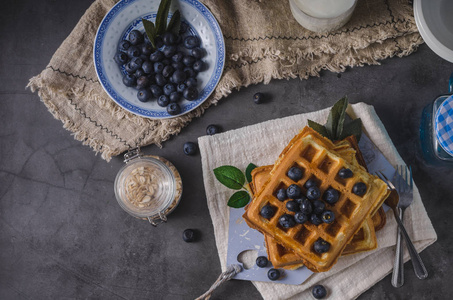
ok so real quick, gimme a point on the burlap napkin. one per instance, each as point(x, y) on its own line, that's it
point(262, 41)
point(261, 144)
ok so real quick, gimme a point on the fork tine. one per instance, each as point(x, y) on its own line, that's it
point(385, 179)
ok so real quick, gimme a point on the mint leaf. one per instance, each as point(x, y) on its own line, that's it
point(239, 199)
point(162, 15)
point(150, 31)
point(248, 172)
point(319, 128)
point(352, 128)
point(336, 117)
point(230, 176)
point(175, 23)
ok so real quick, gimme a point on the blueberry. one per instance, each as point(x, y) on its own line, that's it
point(345, 173)
point(328, 217)
point(181, 87)
point(139, 73)
point(191, 81)
point(331, 196)
point(168, 38)
point(295, 174)
point(273, 274)
point(306, 207)
point(133, 51)
point(258, 98)
point(129, 69)
point(167, 71)
point(156, 90)
point(188, 60)
point(301, 199)
point(148, 67)
point(146, 49)
point(189, 235)
point(319, 291)
point(318, 207)
point(313, 193)
point(142, 82)
point(267, 211)
point(190, 93)
point(178, 76)
point(300, 218)
point(156, 56)
point(191, 42)
point(198, 66)
point(287, 221)
point(136, 37)
point(197, 52)
point(178, 65)
point(144, 95)
point(174, 97)
point(158, 67)
point(292, 206)
point(190, 72)
point(309, 183)
point(359, 189)
point(212, 129)
point(189, 148)
point(129, 80)
point(183, 28)
point(293, 191)
point(124, 45)
point(158, 42)
point(135, 63)
point(169, 51)
point(281, 195)
point(262, 261)
point(160, 80)
point(173, 109)
point(321, 246)
point(315, 219)
point(169, 88)
point(177, 57)
point(121, 58)
point(163, 101)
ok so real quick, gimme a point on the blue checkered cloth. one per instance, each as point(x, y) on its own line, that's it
point(444, 125)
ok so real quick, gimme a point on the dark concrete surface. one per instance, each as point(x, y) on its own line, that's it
point(62, 234)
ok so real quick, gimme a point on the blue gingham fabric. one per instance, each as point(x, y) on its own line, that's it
point(444, 125)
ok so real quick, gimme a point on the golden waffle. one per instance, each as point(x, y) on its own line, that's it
point(280, 257)
point(316, 156)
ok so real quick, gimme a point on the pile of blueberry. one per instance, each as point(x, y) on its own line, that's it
point(263, 262)
point(168, 73)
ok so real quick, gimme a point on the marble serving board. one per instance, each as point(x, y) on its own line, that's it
point(242, 238)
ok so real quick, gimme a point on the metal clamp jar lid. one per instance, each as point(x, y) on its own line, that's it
point(148, 187)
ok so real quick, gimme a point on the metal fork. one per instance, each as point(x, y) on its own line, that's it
point(405, 191)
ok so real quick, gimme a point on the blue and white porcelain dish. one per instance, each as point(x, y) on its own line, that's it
point(125, 16)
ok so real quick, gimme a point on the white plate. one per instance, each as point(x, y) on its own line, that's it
point(125, 16)
point(434, 19)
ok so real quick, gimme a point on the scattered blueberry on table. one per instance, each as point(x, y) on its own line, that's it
point(273, 274)
point(189, 235)
point(319, 291)
point(171, 69)
point(213, 129)
point(190, 148)
point(262, 261)
point(258, 98)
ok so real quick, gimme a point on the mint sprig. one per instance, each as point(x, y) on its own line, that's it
point(335, 129)
point(153, 30)
point(233, 178)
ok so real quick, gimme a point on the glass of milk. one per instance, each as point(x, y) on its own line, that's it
point(322, 15)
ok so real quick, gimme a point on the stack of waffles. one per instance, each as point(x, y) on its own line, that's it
point(357, 217)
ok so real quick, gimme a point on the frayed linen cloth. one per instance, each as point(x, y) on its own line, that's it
point(261, 144)
point(262, 41)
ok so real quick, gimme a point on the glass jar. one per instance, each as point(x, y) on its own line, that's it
point(148, 187)
point(433, 152)
point(322, 15)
